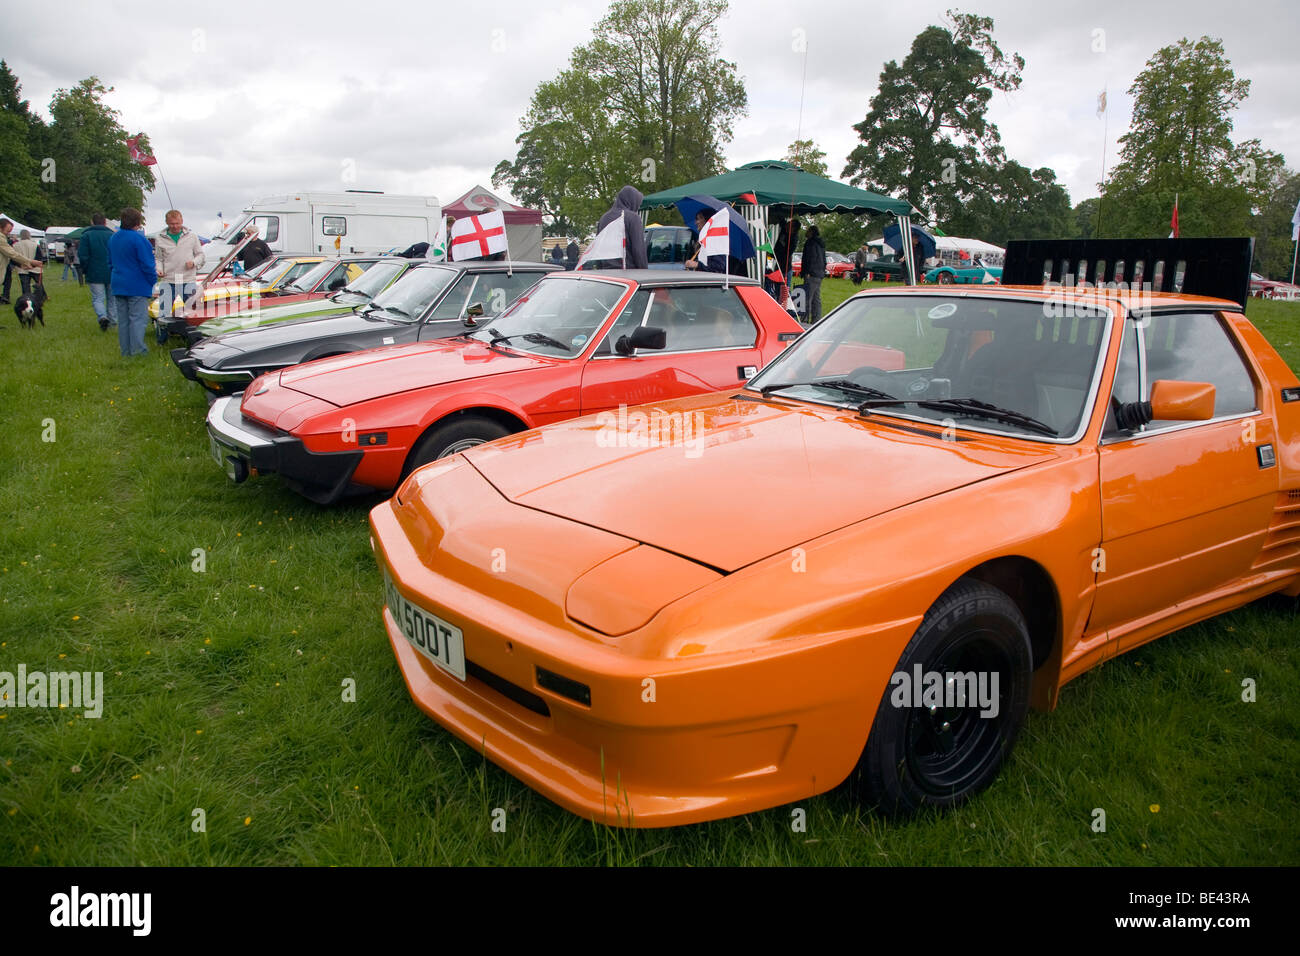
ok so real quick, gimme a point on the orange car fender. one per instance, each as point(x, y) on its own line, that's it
point(869, 586)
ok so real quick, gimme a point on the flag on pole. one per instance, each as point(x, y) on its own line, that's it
point(438, 248)
point(137, 154)
point(1295, 224)
point(1173, 221)
point(610, 243)
point(747, 197)
point(715, 239)
point(1101, 103)
point(477, 237)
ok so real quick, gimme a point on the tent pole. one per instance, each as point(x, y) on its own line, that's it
point(905, 239)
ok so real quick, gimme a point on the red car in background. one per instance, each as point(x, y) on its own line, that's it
point(577, 343)
point(1272, 288)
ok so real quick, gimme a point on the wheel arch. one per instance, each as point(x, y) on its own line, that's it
point(494, 413)
point(1034, 591)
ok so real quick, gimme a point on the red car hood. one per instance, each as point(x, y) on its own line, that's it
point(753, 479)
point(361, 376)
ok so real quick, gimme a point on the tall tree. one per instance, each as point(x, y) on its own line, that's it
point(805, 154)
point(1179, 144)
point(927, 134)
point(1011, 201)
point(21, 135)
point(93, 169)
point(647, 101)
point(1274, 251)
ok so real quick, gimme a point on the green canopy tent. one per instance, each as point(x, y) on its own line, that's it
point(772, 182)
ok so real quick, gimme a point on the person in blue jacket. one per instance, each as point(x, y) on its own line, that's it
point(134, 273)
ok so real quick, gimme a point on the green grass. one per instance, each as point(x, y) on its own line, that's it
point(224, 688)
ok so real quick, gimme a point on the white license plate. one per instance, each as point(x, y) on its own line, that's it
point(218, 454)
point(440, 642)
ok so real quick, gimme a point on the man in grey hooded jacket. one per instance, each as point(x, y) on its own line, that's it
point(627, 205)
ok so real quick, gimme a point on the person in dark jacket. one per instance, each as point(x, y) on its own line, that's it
point(97, 266)
point(134, 273)
point(571, 255)
point(813, 270)
point(627, 205)
point(787, 241)
point(256, 252)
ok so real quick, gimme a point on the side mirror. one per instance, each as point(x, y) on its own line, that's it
point(1182, 401)
point(1171, 401)
point(475, 311)
point(642, 337)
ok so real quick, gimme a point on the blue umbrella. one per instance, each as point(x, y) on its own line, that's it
point(891, 236)
point(742, 245)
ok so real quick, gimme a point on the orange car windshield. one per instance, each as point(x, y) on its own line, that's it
point(988, 364)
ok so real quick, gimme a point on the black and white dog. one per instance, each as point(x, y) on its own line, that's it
point(31, 308)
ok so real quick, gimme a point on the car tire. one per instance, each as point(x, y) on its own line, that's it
point(452, 436)
point(918, 756)
point(944, 278)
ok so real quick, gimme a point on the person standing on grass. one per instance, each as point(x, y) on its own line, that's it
point(813, 268)
point(26, 247)
point(12, 257)
point(134, 272)
point(97, 266)
point(179, 255)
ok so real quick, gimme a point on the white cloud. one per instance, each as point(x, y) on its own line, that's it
point(427, 99)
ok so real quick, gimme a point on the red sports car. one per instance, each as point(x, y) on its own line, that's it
point(577, 343)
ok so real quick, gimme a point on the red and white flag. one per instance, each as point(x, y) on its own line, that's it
point(137, 154)
point(1173, 221)
point(715, 239)
point(476, 237)
point(610, 243)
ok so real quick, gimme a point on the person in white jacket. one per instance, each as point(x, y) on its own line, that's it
point(179, 255)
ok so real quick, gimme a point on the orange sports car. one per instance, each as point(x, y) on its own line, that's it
point(932, 511)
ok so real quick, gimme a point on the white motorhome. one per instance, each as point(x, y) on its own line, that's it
point(54, 243)
point(355, 221)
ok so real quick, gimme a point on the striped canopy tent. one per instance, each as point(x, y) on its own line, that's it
point(760, 186)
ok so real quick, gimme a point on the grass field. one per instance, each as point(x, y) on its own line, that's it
point(224, 686)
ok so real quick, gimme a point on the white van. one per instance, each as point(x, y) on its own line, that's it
point(54, 244)
point(355, 221)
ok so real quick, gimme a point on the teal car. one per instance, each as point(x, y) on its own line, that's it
point(379, 274)
point(965, 275)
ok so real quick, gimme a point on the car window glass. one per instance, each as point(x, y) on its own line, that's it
point(1195, 347)
point(1125, 389)
point(375, 278)
point(408, 298)
point(632, 315)
point(295, 270)
point(494, 291)
point(1013, 355)
point(268, 227)
point(557, 317)
point(701, 318)
point(452, 305)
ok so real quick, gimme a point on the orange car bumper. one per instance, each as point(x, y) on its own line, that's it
point(708, 738)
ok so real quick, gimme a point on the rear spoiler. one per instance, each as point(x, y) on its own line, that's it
point(1211, 267)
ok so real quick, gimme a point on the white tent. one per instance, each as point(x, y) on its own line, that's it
point(19, 227)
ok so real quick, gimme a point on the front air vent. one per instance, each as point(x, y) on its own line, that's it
point(524, 698)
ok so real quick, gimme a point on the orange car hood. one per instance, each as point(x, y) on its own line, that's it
point(754, 479)
point(361, 376)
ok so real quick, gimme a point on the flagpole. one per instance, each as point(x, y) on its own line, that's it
point(1105, 127)
point(170, 204)
point(1293, 258)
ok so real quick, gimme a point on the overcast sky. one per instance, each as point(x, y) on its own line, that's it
point(251, 100)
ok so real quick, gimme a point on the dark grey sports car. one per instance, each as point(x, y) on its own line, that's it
point(432, 301)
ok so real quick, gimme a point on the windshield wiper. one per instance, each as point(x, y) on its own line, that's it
point(842, 384)
point(968, 406)
point(540, 338)
point(395, 310)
